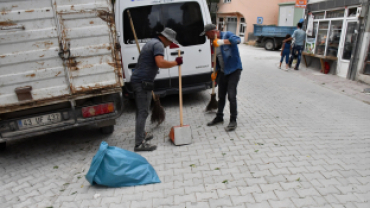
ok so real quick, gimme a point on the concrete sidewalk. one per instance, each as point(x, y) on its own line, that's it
point(351, 88)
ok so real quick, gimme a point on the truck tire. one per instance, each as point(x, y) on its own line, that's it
point(107, 129)
point(278, 47)
point(2, 146)
point(269, 45)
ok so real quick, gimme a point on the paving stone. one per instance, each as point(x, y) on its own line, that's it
point(286, 203)
point(163, 201)
point(265, 196)
point(205, 196)
point(220, 202)
point(282, 195)
point(302, 202)
point(197, 205)
point(264, 204)
point(227, 192)
point(237, 200)
point(184, 198)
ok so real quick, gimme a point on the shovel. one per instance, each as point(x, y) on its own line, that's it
point(180, 135)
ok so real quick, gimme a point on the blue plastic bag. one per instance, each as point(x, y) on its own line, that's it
point(116, 167)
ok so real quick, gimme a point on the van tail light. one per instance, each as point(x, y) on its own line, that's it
point(173, 46)
point(97, 110)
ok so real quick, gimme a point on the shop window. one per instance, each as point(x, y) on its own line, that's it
point(318, 15)
point(335, 14)
point(321, 38)
point(311, 40)
point(334, 38)
point(348, 42)
point(352, 12)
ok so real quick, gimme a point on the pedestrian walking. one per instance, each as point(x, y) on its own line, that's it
point(228, 71)
point(299, 37)
point(285, 52)
point(142, 80)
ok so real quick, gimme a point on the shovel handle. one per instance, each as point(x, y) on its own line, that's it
point(180, 92)
point(214, 66)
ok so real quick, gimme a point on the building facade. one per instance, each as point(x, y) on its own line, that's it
point(238, 16)
point(340, 34)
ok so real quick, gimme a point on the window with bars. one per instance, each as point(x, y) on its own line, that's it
point(227, 1)
point(221, 24)
point(242, 27)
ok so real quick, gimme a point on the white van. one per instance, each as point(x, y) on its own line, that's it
point(187, 18)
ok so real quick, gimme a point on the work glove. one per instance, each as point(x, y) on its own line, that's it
point(179, 60)
point(217, 42)
point(214, 76)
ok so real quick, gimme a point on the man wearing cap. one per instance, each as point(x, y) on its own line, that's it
point(142, 81)
point(299, 37)
point(228, 70)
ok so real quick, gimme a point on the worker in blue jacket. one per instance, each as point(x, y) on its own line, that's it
point(228, 71)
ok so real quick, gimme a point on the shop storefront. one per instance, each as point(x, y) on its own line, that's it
point(333, 37)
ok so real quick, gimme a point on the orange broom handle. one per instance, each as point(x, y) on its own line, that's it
point(180, 93)
point(214, 66)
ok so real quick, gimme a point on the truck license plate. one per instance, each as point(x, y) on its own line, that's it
point(39, 120)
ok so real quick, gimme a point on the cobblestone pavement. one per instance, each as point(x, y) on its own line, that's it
point(298, 144)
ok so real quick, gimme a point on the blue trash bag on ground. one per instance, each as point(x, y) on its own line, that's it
point(116, 167)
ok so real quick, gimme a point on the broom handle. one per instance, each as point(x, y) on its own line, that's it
point(214, 66)
point(137, 42)
point(133, 30)
point(180, 92)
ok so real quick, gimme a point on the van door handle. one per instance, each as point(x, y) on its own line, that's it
point(177, 53)
point(132, 66)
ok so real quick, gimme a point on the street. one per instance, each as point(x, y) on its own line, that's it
point(298, 144)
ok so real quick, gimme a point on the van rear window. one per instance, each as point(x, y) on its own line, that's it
point(184, 18)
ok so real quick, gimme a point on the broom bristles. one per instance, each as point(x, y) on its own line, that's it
point(213, 104)
point(158, 113)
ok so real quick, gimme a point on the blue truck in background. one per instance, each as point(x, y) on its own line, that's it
point(270, 36)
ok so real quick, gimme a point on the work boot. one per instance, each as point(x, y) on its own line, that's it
point(232, 126)
point(216, 121)
point(148, 136)
point(145, 147)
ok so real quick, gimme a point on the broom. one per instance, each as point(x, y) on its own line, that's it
point(158, 113)
point(213, 104)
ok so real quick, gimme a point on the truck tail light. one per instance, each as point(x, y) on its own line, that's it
point(97, 110)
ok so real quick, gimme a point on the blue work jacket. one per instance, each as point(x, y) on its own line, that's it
point(230, 53)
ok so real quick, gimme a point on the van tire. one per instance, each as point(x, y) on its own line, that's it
point(2, 146)
point(269, 45)
point(107, 129)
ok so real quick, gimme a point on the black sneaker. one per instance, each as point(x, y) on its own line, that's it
point(232, 126)
point(216, 121)
point(148, 136)
point(145, 147)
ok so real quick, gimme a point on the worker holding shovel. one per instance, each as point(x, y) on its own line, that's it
point(150, 60)
point(228, 71)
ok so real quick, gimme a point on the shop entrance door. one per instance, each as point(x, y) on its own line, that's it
point(346, 48)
